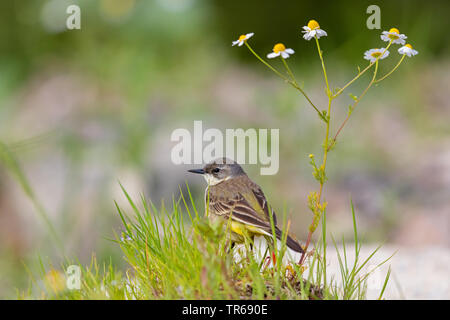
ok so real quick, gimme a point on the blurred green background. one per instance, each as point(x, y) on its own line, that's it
point(83, 109)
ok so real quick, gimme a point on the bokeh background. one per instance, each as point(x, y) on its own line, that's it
point(83, 109)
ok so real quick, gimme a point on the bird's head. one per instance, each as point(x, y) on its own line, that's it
point(219, 170)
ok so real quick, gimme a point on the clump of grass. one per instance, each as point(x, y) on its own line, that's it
point(177, 254)
point(176, 259)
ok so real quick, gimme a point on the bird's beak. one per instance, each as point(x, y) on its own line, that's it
point(199, 171)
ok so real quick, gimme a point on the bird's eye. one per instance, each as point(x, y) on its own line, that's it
point(216, 170)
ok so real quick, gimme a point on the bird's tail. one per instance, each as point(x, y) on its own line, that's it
point(290, 242)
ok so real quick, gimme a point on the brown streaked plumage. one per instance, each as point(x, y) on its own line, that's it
point(232, 196)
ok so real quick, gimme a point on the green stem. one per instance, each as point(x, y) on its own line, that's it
point(267, 64)
point(288, 70)
point(291, 82)
point(325, 148)
point(389, 73)
point(355, 104)
point(323, 64)
point(360, 73)
point(353, 80)
point(295, 85)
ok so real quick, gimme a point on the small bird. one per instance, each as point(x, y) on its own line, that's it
point(233, 197)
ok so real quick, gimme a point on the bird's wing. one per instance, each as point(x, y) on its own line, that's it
point(262, 201)
point(240, 210)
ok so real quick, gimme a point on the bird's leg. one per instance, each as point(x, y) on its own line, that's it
point(274, 259)
point(269, 259)
point(272, 252)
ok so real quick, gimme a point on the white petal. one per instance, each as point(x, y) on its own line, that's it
point(308, 35)
point(408, 51)
point(284, 54)
point(290, 51)
point(320, 33)
point(306, 28)
point(385, 37)
point(235, 42)
point(399, 41)
point(273, 55)
point(240, 43)
point(249, 35)
point(368, 55)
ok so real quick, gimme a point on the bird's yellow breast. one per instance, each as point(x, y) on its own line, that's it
point(244, 230)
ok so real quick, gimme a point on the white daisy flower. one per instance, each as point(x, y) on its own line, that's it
point(394, 35)
point(408, 50)
point(313, 30)
point(373, 54)
point(242, 39)
point(280, 49)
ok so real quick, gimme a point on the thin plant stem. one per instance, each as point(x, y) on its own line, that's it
point(288, 70)
point(325, 149)
point(390, 72)
point(359, 74)
point(295, 84)
point(365, 91)
point(291, 82)
point(323, 64)
point(355, 104)
point(266, 63)
point(353, 80)
point(9, 160)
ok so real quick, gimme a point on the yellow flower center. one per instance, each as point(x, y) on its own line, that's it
point(376, 54)
point(395, 30)
point(242, 37)
point(393, 34)
point(313, 24)
point(408, 45)
point(279, 47)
